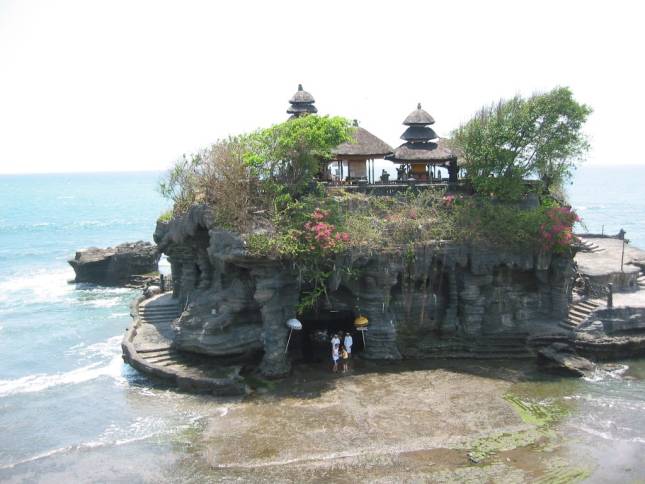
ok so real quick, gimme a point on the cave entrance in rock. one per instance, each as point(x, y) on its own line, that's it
point(314, 341)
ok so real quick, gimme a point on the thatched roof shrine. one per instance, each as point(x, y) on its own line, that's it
point(301, 103)
point(423, 148)
point(356, 157)
point(364, 145)
point(431, 152)
point(423, 144)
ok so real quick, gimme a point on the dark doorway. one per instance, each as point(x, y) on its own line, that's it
point(313, 343)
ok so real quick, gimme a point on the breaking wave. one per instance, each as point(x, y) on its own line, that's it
point(39, 287)
point(42, 381)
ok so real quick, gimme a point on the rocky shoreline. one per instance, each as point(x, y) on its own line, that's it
point(440, 301)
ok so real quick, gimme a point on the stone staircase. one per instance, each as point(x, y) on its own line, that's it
point(640, 282)
point(159, 314)
point(587, 246)
point(148, 347)
point(578, 313)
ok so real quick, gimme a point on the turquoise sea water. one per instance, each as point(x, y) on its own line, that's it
point(69, 407)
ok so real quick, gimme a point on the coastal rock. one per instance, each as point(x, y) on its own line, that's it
point(561, 358)
point(115, 266)
point(439, 299)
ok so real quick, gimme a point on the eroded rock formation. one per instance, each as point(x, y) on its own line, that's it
point(419, 302)
point(115, 266)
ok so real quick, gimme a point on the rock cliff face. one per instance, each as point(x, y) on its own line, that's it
point(418, 302)
point(115, 266)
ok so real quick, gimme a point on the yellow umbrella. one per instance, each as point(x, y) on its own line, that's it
point(361, 323)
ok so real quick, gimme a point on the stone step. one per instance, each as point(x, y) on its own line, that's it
point(164, 317)
point(159, 311)
point(154, 350)
point(575, 322)
point(161, 317)
point(577, 317)
point(579, 312)
point(161, 358)
point(585, 308)
point(156, 354)
point(573, 318)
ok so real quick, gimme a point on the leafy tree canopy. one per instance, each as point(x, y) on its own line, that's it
point(263, 169)
point(290, 153)
point(512, 140)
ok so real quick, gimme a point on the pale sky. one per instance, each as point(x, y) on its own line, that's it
point(131, 85)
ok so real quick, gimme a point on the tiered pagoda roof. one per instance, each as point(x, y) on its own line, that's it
point(301, 103)
point(422, 144)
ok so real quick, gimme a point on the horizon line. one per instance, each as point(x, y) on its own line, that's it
point(158, 170)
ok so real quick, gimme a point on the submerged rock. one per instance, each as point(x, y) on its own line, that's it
point(115, 266)
point(561, 358)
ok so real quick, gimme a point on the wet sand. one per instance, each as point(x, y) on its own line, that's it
point(414, 423)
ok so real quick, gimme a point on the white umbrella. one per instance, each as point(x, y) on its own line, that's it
point(292, 324)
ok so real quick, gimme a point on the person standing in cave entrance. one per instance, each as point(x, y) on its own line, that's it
point(335, 340)
point(335, 355)
point(348, 341)
point(345, 357)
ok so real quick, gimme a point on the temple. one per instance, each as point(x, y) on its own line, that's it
point(423, 151)
point(418, 159)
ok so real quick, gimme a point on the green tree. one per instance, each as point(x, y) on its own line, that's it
point(290, 154)
point(539, 137)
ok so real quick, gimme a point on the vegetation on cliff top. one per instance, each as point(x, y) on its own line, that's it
point(263, 186)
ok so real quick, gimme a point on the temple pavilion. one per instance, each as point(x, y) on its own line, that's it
point(355, 158)
point(301, 103)
point(423, 150)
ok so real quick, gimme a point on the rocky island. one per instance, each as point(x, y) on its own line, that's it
point(124, 264)
point(266, 228)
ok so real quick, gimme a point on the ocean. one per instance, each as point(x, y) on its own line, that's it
point(70, 409)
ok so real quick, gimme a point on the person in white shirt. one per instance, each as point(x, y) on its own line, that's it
point(335, 354)
point(347, 343)
point(335, 340)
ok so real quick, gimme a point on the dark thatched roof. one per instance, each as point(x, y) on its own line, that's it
point(301, 96)
point(418, 117)
point(364, 144)
point(419, 133)
point(302, 109)
point(432, 152)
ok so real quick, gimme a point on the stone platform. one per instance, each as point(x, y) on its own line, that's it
point(601, 263)
point(147, 346)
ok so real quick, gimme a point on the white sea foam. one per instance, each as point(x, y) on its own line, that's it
point(85, 446)
point(103, 303)
point(142, 428)
point(41, 286)
point(118, 315)
point(42, 381)
point(614, 372)
point(108, 348)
